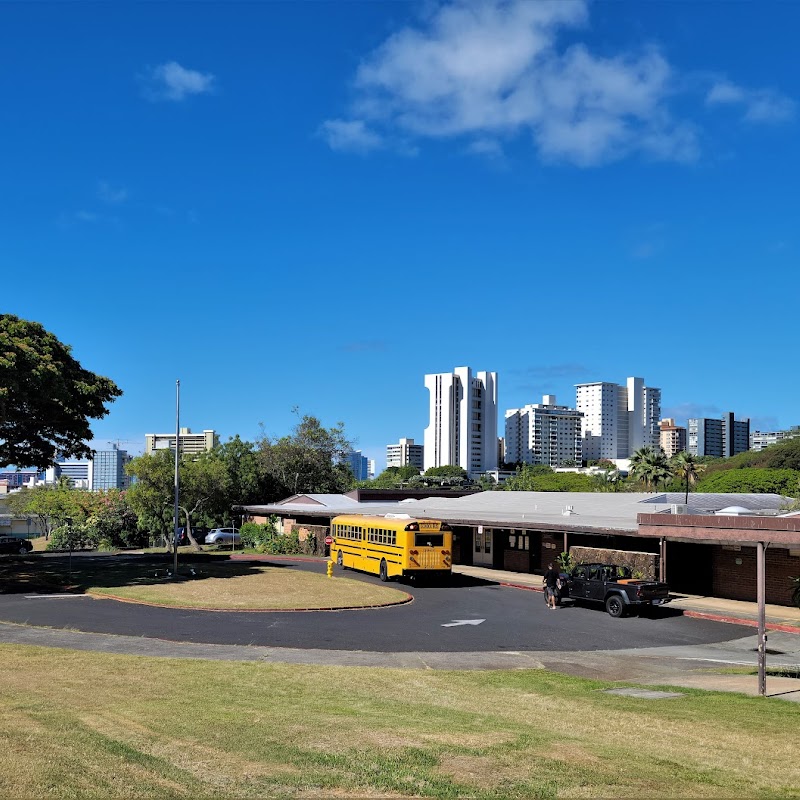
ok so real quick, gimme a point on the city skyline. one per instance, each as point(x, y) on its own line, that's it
point(203, 191)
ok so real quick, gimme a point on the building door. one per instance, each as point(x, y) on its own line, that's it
point(482, 550)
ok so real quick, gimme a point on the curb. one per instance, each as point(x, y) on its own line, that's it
point(750, 623)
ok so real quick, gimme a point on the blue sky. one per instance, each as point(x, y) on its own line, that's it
point(314, 204)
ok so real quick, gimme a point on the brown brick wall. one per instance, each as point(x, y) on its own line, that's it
point(516, 560)
point(551, 547)
point(738, 581)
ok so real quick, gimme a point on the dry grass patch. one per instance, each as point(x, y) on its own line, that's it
point(228, 586)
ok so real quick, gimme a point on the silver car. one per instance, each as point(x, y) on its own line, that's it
point(223, 536)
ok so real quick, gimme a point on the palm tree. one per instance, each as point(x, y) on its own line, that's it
point(686, 466)
point(650, 467)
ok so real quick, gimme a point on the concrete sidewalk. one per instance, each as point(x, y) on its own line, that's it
point(781, 618)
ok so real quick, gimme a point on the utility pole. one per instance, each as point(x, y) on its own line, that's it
point(175, 533)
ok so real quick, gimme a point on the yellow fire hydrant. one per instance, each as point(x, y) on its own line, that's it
point(330, 569)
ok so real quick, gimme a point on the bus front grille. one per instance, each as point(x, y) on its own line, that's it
point(428, 559)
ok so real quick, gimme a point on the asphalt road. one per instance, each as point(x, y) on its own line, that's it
point(512, 620)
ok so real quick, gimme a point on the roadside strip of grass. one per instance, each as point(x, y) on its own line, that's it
point(77, 724)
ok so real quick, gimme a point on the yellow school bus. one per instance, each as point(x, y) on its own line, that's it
point(393, 546)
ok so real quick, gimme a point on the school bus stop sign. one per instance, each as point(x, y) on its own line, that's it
point(328, 540)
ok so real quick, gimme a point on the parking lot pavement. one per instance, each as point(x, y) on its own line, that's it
point(782, 618)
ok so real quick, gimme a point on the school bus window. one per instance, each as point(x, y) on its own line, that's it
point(429, 540)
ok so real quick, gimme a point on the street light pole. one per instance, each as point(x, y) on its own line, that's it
point(177, 478)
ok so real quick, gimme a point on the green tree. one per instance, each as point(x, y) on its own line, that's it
point(607, 480)
point(446, 471)
point(111, 520)
point(247, 480)
point(204, 490)
point(650, 468)
point(46, 397)
point(541, 478)
point(49, 505)
point(685, 466)
point(392, 478)
point(751, 481)
point(310, 459)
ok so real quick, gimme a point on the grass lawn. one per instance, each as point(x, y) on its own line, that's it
point(205, 581)
point(76, 724)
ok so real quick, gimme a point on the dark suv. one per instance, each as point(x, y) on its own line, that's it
point(13, 544)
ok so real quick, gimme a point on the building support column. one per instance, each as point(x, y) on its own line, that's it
point(762, 620)
point(566, 548)
point(662, 560)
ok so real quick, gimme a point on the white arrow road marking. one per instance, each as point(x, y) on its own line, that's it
point(457, 622)
point(53, 596)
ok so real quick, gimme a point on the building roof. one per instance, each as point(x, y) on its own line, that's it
point(572, 511)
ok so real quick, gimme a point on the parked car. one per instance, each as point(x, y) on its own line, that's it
point(223, 536)
point(614, 587)
point(13, 544)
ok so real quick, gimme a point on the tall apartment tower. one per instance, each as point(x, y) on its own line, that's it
point(109, 469)
point(618, 420)
point(405, 454)
point(359, 465)
point(543, 433)
point(463, 420)
point(720, 438)
point(672, 437)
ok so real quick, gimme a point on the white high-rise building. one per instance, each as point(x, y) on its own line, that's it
point(405, 454)
point(543, 433)
point(191, 443)
point(463, 420)
point(618, 420)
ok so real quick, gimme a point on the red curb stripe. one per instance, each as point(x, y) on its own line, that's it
point(751, 623)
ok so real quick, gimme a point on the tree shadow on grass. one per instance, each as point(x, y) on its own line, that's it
point(51, 574)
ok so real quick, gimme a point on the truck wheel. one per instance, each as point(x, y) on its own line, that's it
point(23, 551)
point(384, 571)
point(615, 606)
point(340, 560)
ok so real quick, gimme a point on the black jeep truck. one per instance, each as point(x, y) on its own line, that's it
point(613, 586)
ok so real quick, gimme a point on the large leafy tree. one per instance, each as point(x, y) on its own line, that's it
point(46, 397)
point(310, 459)
point(204, 488)
point(49, 505)
point(446, 471)
point(248, 482)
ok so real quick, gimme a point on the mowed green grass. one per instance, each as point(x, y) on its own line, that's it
point(76, 724)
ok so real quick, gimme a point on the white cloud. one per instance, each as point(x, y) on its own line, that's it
point(86, 216)
point(171, 81)
point(111, 194)
point(493, 70)
point(758, 105)
point(352, 135)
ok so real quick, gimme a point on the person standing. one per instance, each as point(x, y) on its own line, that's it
point(550, 581)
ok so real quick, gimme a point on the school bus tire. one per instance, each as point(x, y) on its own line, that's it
point(384, 571)
point(340, 560)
